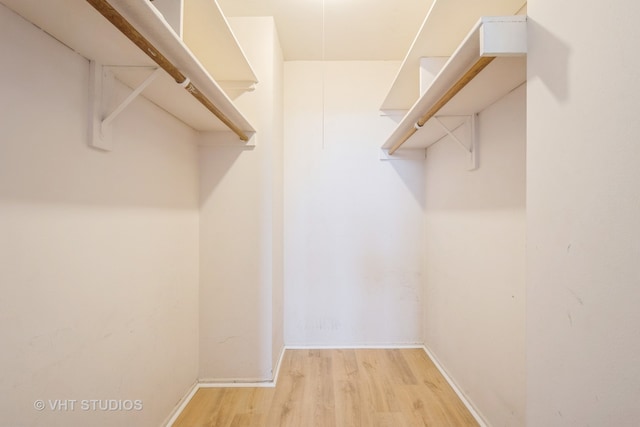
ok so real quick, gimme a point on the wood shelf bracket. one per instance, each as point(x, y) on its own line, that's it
point(101, 88)
point(469, 143)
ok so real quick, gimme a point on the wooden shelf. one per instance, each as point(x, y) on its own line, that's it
point(78, 25)
point(445, 26)
point(495, 45)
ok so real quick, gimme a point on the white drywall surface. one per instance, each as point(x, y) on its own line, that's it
point(583, 210)
point(241, 192)
point(474, 309)
point(98, 250)
point(353, 234)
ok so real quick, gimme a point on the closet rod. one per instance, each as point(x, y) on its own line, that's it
point(453, 91)
point(132, 34)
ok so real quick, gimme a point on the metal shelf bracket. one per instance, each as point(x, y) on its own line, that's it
point(470, 143)
point(101, 87)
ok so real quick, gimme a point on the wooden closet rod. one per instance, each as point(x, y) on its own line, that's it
point(132, 34)
point(453, 91)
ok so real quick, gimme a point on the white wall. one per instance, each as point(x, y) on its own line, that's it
point(241, 228)
point(475, 263)
point(277, 156)
point(98, 251)
point(583, 210)
point(353, 223)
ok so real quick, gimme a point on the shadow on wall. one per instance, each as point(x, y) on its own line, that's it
point(45, 156)
point(215, 164)
point(411, 172)
point(555, 74)
point(500, 180)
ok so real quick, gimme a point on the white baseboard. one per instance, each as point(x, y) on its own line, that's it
point(276, 374)
point(224, 384)
point(182, 404)
point(353, 347)
point(272, 383)
point(455, 388)
point(235, 383)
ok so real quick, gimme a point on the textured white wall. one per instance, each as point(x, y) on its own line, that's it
point(353, 223)
point(98, 251)
point(241, 228)
point(475, 263)
point(583, 210)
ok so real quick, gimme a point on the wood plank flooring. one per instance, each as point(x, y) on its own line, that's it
point(337, 388)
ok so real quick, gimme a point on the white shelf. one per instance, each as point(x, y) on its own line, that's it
point(81, 27)
point(501, 37)
point(444, 28)
point(208, 35)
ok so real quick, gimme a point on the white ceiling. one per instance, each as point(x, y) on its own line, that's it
point(350, 29)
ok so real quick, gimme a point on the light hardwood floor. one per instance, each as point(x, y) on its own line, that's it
point(337, 388)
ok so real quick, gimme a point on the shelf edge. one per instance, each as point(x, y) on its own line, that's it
point(458, 16)
point(465, 64)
